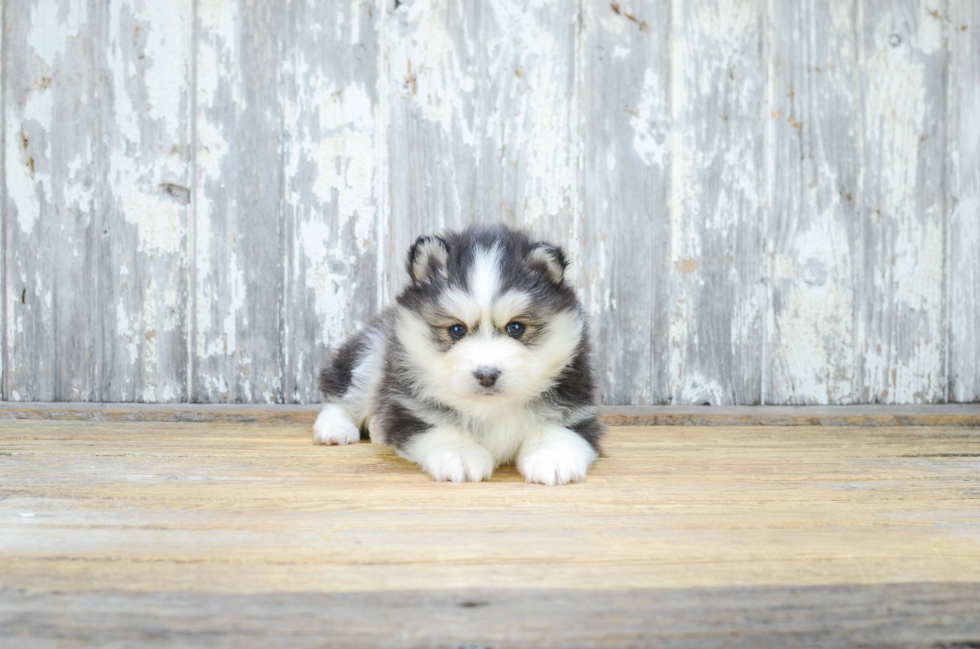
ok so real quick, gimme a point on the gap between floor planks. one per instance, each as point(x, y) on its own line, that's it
point(861, 415)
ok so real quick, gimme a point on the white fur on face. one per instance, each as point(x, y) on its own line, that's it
point(470, 311)
point(485, 277)
point(476, 304)
point(555, 456)
point(525, 372)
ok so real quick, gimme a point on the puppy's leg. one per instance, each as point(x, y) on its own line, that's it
point(555, 456)
point(347, 383)
point(375, 431)
point(448, 454)
point(334, 425)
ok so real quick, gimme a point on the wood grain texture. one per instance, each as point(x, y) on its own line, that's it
point(902, 237)
point(716, 201)
point(913, 616)
point(238, 237)
point(963, 293)
point(738, 526)
point(873, 415)
point(262, 509)
point(812, 224)
point(55, 227)
point(625, 186)
point(334, 147)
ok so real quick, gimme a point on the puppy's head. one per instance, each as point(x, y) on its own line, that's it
point(488, 317)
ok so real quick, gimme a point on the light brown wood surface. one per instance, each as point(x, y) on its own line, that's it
point(190, 524)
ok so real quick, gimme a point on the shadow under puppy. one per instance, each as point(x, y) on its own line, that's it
point(483, 361)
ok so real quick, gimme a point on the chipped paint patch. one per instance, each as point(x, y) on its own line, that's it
point(649, 137)
point(56, 23)
point(717, 311)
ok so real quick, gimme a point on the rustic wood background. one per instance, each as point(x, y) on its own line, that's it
point(766, 201)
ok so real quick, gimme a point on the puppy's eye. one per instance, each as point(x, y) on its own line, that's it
point(515, 329)
point(457, 331)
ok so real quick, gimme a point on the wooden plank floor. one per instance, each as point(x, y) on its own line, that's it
point(220, 534)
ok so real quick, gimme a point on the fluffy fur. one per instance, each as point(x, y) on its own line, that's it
point(516, 386)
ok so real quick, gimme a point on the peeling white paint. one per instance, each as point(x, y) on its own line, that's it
point(902, 346)
point(697, 389)
point(347, 120)
point(813, 193)
point(434, 78)
point(28, 166)
point(62, 20)
point(716, 208)
point(125, 333)
point(158, 218)
point(963, 260)
point(168, 47)
point(236, 293)
point(649, 140)
point(481, 114)
point(328, 274)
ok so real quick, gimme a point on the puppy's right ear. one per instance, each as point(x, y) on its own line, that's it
point(427, 258)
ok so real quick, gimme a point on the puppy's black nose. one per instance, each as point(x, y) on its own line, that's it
point(487, 376)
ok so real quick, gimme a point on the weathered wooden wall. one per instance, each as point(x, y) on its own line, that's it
point(766, 202)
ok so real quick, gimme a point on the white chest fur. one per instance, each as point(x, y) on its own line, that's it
point(504, 430)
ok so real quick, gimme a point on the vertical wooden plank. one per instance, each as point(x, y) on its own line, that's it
point(901, 324)
point(3, 210)
point(434, 86)
point(964, 203)
point(147, 135)
point(238, 202)
point(717, 97)
point(483, 119)
point(625, 239)
point(54, 173)
point(333, 182)
point(812, 229)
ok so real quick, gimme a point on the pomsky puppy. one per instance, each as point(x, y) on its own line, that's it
point(483, 361)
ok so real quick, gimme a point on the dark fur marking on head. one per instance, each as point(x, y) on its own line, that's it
point(520, 267)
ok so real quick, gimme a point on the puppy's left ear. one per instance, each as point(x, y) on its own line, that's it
point(551, 259)
point(427, 258)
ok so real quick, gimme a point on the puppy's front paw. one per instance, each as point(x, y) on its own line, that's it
point(448, 454)
point(466, 464)
point(555, 457)
point(334, 426)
